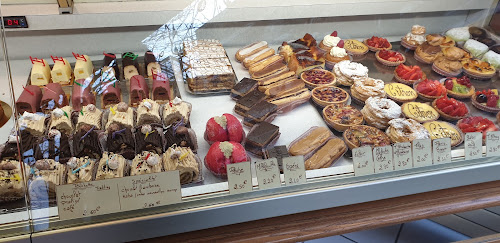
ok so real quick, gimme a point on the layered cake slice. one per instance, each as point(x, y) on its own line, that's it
point(184, 160)
point(80, 170)
point(148, 112)
point(29, 100)
point(130, 65)
point(61, 71)
point(121, 114)
point(139, 89)
point(53, 97)
point(260, 137)
point(60, 119)
point(83, 67)
point(40, 72)
point(146, 163)
point(82, 95)
point(111, 166)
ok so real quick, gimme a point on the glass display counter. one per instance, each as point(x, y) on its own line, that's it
point(131, 115)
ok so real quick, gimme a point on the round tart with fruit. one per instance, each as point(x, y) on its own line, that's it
point(328, 95)
point(340, 117)
point(441, 129)
point(420, 112)
point(477, 124)
point(400, 92)
point(478, 69)
point(318, 77)
point(390, 58)
point(450, 109)
point(429, 89)
point(487, 100)
point(409, 74)
point(402, 130)
point(377, 43)
point(361, 135)
point(459, 88)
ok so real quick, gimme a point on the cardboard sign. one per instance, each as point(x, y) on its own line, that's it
point(422, 152)
point(294, 170)
point(268, 173)
point(493, 144)
point(362, 159)
point(402, 156)
point(441, 150)
point(382, 157)
point(473, 145)
point(239, 177)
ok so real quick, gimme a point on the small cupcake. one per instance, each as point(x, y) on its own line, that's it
point(476, 48)
point(335, 55)
point(459, 34)
point(329, 41)
point(415, 38)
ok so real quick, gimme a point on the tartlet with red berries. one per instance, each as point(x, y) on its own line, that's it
point(477, 124)
point(450, 109)
point(377, 43)
point(487, 100)
point(459, 88)
point(390, 58)
point(409, 74)
point(429, 90)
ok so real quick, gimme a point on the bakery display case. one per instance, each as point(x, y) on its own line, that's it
point(135, 114)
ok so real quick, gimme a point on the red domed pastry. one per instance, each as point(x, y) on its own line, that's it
point(224, 128)
point(222, 153)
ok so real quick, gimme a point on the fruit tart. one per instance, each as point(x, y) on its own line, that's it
point(487, 100)
point(377, 43)
point(478, 69)
point(476, 124)
point(390, 58)
point(450, 109)
point(429, 90)
point(318, 77)
point(328, 95)
point(340, 117)
point(409, 74)
point(361, 135)
point(459, 88)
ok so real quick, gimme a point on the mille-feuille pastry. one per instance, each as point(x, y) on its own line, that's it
point(378, 111)
point(400, 93)
point(55, 145)
point(268, 67)
point(82, 94)
point(40, 72)
point(151, 64)
point(246, 102)
point(111, 95)
point(148, 112)
point(282, 87)
point(326, 155)
point(274, 79)
point(149, 137)
point(245, 86)
point(362, 89)
point(84, 69)
point(318, 77)
point(32, 123)
point(60, 119)
point(130, 65)
point(139, 89)
point(361, 135)
point(46, 175)
point(309, 141)
point(341, 117)
point(448, 62)
point(261, 136)
point(414, 38)
point(291, 100)
point(441, 129)
point(11, 182)
point(249, 50)
point(347, 72)
point(259, 113)
point(146, 163)
point(175, 111)
point(61, 71)
point(328, 95)
point(258, 56)
point(180, 135)
point(53, 97)
point(111, 165)
point(419, 112)
point(402, 130)
point(121, 114)
point(184, 160)
point(29, 100)
point(80, 170)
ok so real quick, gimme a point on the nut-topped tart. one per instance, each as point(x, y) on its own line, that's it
point(328, 95)
point(340, 117)
point(361, 135)
point(318, 77)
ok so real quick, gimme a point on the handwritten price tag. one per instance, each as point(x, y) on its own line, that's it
point(382, 156)
point(268, 173)
point(239, 177)
point(402, 156)
point(493, 144)
point(362, 159)
point(294, 170)
point(422, 152)
point(441, 150)
point(473, 145)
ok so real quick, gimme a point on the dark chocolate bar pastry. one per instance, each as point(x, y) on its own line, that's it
point(246, 102)
point(245, 86)
point(259, 113)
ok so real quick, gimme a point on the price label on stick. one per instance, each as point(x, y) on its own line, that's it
point(382, 156)
point(422, 152)
point(402, 156)
point(441, 150)
point(473, 145)
point(294, 170)
point(268, 173)
point(363, 161)
point(493, 144)
point(239, 177)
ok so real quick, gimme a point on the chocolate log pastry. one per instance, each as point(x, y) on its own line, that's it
point(27, 146)
point(86, 142)
point(176, 110)
point(33, 123)
point(184, 160)
point(29, 100)
point(161, 90)
point(11, 182)
point(180, 135)
point(111, 95)
point(53, 97)
point(148, 112)
point(111, 63)
point(89, 115)
point(80, 170)
point(130, 65)
point(139, 89)
point(121, 114)
point(46, 175)
point(54, 146)
point(81, 95)
point(111, 166)
point(60, 119)
point(149, 138)
point(120, 141)
point(146, 163)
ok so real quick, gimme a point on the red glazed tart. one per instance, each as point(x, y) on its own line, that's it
point(477, 124)
point(429, 89)
point(390, 58)
point(377, 43)
point(409, 74)
point(450, 109)
point(318, 77)
point(328, 95)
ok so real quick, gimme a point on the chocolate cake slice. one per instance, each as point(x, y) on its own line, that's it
point(260, 137)
point(86, 142)
point(149, 138)
point(121, 141)
point(53, 97)
point(82, 95)
point(245, 86)
point(139, 90)
point(53, 146)
point(246, 102)
point(27, 147)
point(29, 100)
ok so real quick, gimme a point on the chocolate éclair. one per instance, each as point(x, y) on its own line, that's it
point(268, 67)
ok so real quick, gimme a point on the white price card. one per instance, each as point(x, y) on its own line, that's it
point(422, 152)
point(441, 150)
point(294, 170)
point(402, 156)
point(382, 157)
point(268, 173)
point(362, 159)
point(239, 177)
point(493, 144)
point(473, 145)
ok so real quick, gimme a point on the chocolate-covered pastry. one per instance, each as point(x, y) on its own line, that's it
point(477, 32)
point(261, 136)
point(86, 142)
point(130, 65)
point(161, 90)
point(180, 135)
point(27, 147)
point(278, 152)
point(53, 97)
point(245, 86)
point(487, 41)
point(82, 95)
point(53, 146)
point(120, 141)
point(151, 65)
point(111, 96)
point(110, 61)
point(246, 102)
point(29, 100)
point(139, 89)
point(259, 113)
point(148, 138)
